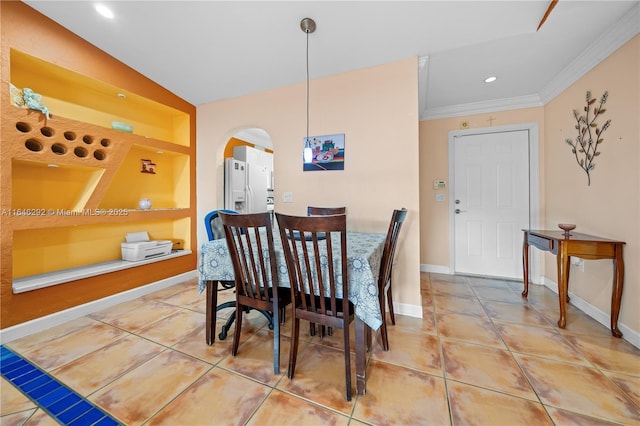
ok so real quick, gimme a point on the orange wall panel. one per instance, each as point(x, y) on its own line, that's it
point(26, 32)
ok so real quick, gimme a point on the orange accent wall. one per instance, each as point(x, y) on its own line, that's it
point(233, 142)
point(25, 30)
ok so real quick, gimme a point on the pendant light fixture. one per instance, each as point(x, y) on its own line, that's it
point(307, 25)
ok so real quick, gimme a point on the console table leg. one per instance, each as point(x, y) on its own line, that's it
point(616, 293)
point(563, 284)
point(567, 271)
point(525, 265)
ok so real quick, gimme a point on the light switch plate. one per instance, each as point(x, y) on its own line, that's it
point(439, 197)
point(287, 197)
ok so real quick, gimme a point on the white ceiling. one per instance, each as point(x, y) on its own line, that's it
point(205, 51)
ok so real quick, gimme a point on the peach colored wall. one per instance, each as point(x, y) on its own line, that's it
point(434, 165)
point(376, 109)
point(610, 207)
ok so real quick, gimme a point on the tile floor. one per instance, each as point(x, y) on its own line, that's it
point(481, 355)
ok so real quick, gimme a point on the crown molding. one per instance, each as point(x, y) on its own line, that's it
point(496, 105)
point(619, 34)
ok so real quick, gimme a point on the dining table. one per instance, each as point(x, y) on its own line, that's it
point(364, 252)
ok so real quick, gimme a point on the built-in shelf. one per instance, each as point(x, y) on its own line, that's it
point(34, 282)
point(72, 182)
point(80, 97)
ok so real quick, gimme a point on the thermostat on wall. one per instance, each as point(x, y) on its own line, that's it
point(439, 184)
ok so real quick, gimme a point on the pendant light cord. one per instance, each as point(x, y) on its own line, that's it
point(307, 141)
point(307, 25)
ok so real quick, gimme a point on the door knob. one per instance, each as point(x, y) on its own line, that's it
point(458, 211)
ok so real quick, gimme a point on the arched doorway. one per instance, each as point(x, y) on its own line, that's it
point(248, 175)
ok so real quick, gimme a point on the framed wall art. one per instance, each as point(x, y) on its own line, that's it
point(323, 153)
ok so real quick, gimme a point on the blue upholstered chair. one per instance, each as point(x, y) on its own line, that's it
point(213, 224)
point(215, 231)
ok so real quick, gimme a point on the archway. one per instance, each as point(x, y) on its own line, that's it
point(248, 175)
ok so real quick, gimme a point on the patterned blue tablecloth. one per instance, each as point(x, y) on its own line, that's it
point(364, 252)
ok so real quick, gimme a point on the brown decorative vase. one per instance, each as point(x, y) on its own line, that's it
point(567, 227)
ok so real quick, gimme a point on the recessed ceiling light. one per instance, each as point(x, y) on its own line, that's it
point(104, 11)
point(490, 79)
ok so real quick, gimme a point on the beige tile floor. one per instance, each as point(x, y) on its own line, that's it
point(480, 356)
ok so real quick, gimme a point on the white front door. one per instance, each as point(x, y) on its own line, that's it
point(490, 202)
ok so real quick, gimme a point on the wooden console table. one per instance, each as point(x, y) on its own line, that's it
point(583, 246)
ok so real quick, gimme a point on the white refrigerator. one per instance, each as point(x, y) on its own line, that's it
point(245, 186)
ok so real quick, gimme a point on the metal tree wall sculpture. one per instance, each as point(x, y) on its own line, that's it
point(585, 145)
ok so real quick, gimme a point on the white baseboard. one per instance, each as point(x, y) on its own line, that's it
point(416, 310)
point(21, 330)
point(436, 269)
point(602, 317)
point(408, 310)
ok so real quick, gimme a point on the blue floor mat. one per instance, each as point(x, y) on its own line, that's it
point(63, 404)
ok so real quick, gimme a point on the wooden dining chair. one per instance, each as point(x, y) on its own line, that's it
point(386, 269)
point(249, 237)
point(323, 211)
point(317, 268)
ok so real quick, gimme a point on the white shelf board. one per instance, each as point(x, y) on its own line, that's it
point(34, 282)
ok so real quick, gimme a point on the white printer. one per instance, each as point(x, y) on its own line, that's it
point(139, 247)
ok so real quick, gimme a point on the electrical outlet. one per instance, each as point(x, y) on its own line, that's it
point(287, 197)
point(439, 197)
point(578, 263)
